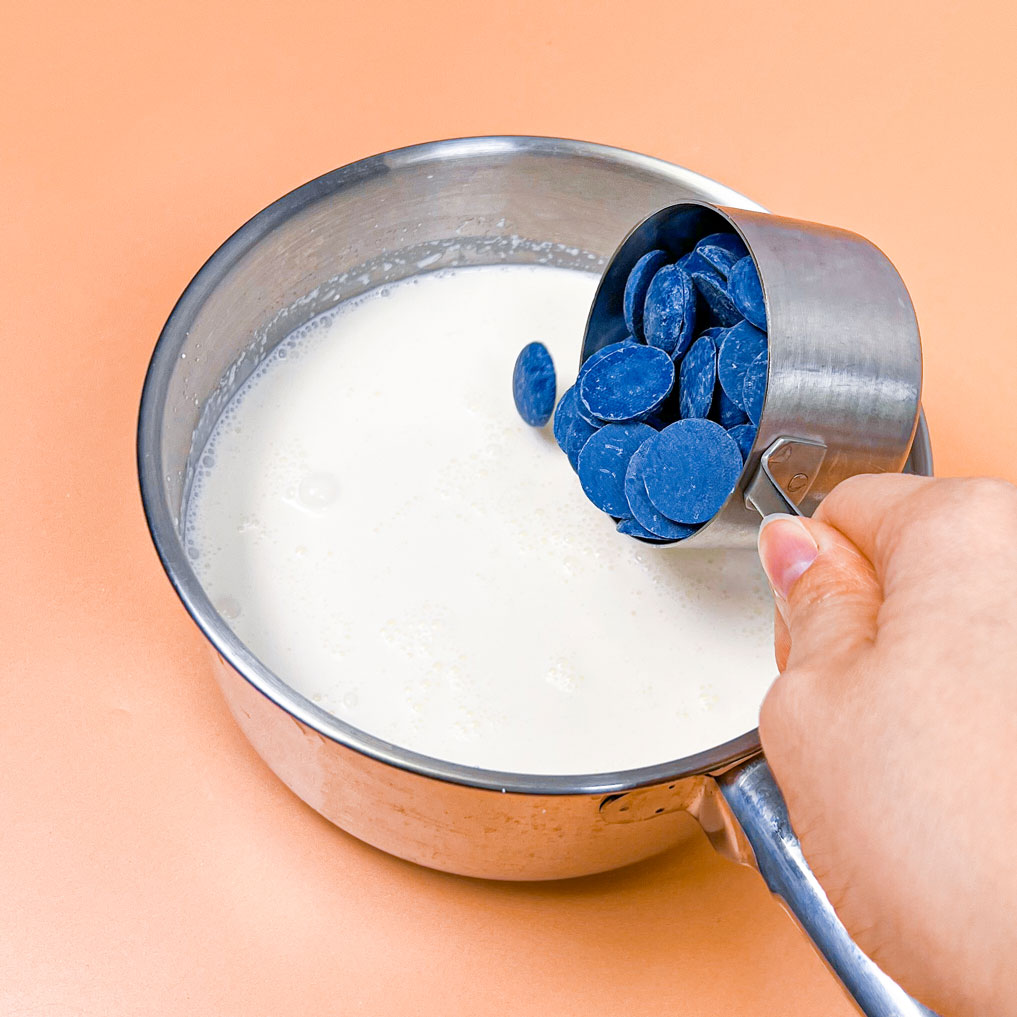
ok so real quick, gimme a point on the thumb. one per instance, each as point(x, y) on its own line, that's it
point(825, 589)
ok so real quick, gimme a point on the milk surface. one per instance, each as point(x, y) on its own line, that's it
point(383, 532)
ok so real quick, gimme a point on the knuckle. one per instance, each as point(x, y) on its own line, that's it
point(771, 713)
point(973, 495)
point(959, 511)
point(990, 497)
point(776, 731)
point(782, 716)
point(827, 577)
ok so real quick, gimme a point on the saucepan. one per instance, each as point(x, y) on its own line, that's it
point(468, 201)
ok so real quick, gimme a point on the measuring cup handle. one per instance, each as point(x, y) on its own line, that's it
point(757, 805)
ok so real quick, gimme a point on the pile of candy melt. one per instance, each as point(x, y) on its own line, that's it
point(658, 426)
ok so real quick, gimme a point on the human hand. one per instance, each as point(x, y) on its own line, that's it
point(891, 726)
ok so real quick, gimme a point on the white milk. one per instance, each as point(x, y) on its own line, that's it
point(384, 532)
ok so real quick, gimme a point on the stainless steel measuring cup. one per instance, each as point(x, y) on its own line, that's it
point(845, 358)
point(468, 201)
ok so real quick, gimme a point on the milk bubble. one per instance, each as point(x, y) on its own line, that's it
point(317, 490)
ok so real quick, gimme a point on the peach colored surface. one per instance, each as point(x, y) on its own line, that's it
point(149, 863)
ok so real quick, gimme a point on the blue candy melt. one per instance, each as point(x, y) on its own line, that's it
point(643, 512)
point(564, 415)
point(714, 292)
point(690, 470)
point(738, 349)
point(534, 385)
point(579, 434)
point(697, 378)
point(633, 529)
point(669, 313)
point(718, 259)
point(570, 430)
point(747, 292)
point(720, 251)
point(729, 241)
point(714, 333)
point(729, 414)
point(744, 435)
point(603, 462)
point(627, 383)
point(754, 387)
point(636, 286)
point(604, 351)
point(587, 415)
point(588, 364)
point(692, 262)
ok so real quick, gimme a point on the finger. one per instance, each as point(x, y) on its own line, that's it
point(781, 640)
point(863, 507)
point(824, 588)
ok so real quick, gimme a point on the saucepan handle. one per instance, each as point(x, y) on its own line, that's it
point(757, 805)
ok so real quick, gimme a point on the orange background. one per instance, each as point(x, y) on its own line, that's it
point(149, 863)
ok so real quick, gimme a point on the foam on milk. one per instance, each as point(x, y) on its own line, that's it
point(383, 532)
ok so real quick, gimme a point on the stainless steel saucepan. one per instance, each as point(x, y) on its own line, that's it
point(463, 202)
